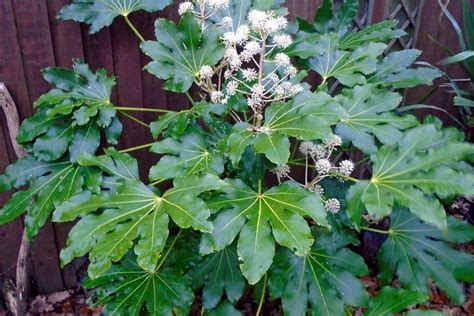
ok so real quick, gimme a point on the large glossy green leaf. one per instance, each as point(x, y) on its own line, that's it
point(379, 32)
point(308, 116)
point(111, 223)
point(349, 67)
point(71, 115)
point(188, 155)
point(261, 218)
point(50, 184)
point(330, 19)
point(394, 71)
point(390, 301)
point(181, 50)
point(101, 13)
point(324, 281)
point(415, 173)
point(369, 117)
point(78, 88)
point(416, 252)
point(128, 289)
point(219, 272)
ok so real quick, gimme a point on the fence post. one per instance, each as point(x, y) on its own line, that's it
point(13, 123)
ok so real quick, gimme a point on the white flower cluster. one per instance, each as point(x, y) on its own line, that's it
point(321, 154)
point(332, 205)
point(282, 172)
point(253, 66)
point(206, 8)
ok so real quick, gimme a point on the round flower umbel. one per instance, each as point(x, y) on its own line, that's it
point(253, 67)
point(332, 205)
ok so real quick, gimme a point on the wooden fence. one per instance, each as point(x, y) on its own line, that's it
point(31, 39)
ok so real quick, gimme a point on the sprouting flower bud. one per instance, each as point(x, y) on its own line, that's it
point(346, 167)
point(282, 171)
point(185, 7)
point(323, 166)
point(332, 205)
point(206, 72)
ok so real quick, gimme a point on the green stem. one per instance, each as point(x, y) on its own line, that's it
point(133, 118)
point(379, 231)
point(133, 28)
point(135, 148)
point(340, 175)
point(157, 182)
point(133, 109)
point(168, 251)
point(190, 98)
point(262, 297)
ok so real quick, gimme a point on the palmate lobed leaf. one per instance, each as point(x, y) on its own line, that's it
point(307, 117)
point(135, 216)
point(323, 281)
point(415, 173)
point(390, 301)
point(415, 252)
point(349, 67)
point(394, 70)
point(128, 289)
point(71, 116)
point(261, 218)
point(181, 50)
point(49, 185)
point(369, 116)
point(219, 272)
point(189, 155)
point(329, 19)
point(101, 13)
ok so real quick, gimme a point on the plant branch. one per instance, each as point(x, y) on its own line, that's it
point(374, 230)
point(168, 251)
point(262, 297)
point(127, 150)
point(130, 24)
point(133, 118)
point(137, 109)
point(190, 98)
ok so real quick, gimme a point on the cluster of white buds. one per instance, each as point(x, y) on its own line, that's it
point(320, 155)
point(253, 65)
point(282, 172)
point(316, 188)
point(346, 167)
point(332, 205)
point(205, 8)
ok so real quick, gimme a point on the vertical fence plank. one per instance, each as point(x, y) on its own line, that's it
point(433, 24)
point(37, 52)
point(67, 45)
point(11, 65)
point(10, 234)
point(127, 64)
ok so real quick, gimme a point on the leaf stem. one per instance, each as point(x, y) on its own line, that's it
point(127, 150)
point(340, 175)
point(136, 109)
point(168, 250)
point(133, 118)
point(157, 182)
point(190, 98)
point(262, 297)
point(130, 24)
point(374, 230)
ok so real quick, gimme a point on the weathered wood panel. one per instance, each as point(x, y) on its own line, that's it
point(31, 38)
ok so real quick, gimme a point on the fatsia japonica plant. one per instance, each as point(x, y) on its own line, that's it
point(254, 190)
